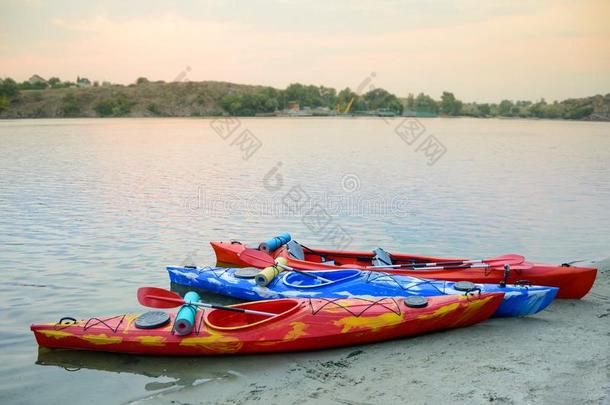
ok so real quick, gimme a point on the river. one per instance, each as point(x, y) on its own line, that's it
point(92, 209)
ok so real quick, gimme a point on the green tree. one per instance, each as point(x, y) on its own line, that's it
point(537, 109)
point(328, 96)
point(309, 96)
point(54, 82)
point(142, 80)
point(70, 107)
point(9, 88)
point(4, 102)
point(523, 103)
point(263, 100)
point(117, 106)
point(457, 107)
point(554, 110)
point(104, 107)
point(153, 108)
point(447, 100)
point(36, 85)
point(578, 111)
point(471, 110)
point(379, 98)
point(450, 105)
point(410, 102)
point(270, 99)
point(343, 99)
point(484, 109)
point(505, 108)
point(425, 104)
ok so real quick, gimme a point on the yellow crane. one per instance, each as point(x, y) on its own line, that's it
point(347, 107)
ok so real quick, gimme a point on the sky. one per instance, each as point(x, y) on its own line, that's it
point(479, 50)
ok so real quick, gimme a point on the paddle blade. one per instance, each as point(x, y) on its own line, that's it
point(511, 259)
point(256, 258)
point(158, 298)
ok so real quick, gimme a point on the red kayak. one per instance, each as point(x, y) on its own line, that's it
point(573, 282)
point(299, 324)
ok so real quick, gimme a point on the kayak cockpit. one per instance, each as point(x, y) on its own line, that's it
point(378, 257)
point(298, 280)
point(228, 320)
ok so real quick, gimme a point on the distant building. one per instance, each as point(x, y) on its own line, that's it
point(82, 82)
point(322, 111)
point(293, 106)
point(35, 79)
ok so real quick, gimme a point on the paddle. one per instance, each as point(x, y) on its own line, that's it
point(517, 267)
point(511, 259)
point(159, 298)
point(257, 258)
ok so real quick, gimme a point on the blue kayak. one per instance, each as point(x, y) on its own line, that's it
point(518, 300)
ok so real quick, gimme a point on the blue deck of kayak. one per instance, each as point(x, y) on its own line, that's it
point(518, 300)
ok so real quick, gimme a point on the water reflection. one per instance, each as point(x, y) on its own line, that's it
point(162, 373)
point(181, 372)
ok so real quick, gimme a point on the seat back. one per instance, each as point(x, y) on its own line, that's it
point(295, 250)
point(381, 258)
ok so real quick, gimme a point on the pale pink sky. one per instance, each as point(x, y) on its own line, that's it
point(482, 51)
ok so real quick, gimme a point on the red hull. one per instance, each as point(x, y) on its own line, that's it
point(227, 254)
point(573, 282)
point(301, 324)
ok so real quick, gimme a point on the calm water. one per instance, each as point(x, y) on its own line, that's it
point(92, 209)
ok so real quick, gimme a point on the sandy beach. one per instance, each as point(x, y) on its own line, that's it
point(560, 356)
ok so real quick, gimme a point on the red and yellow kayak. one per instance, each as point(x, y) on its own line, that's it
point(300, 324)
point(572, 281)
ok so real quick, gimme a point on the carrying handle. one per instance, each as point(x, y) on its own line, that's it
point(473, 290)
point(66, 318)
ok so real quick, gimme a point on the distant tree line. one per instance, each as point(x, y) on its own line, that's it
point(268, 99)
point(249, 101)
point(568, 109)
point(51, 83)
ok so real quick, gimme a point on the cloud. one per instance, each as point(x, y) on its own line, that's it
point(487, 51)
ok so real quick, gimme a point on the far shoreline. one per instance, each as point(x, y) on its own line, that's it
point(213, 117)
point(39, 98)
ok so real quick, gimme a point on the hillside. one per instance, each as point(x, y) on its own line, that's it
point(209, 98)
point(143, 100)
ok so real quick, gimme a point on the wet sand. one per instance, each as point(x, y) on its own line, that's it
point(560, 356)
